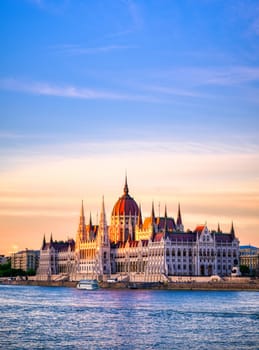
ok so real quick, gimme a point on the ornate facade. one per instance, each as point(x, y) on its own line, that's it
point(56, 259)
point(157, 247)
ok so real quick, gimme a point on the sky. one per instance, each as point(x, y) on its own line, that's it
point(167, 91)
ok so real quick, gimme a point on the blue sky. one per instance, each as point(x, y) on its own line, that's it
point(124, 79)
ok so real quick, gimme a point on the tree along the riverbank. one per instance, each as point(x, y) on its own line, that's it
point(7, 271)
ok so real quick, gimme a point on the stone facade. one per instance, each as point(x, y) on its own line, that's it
point(56, 258)
point(157, 246)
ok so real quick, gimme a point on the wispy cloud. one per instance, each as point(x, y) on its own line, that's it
point(47, 89)
point(73, 49)
point(234, 76)
point(172, 91)
point(217, 76)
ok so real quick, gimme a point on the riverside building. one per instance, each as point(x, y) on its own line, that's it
point(146, 250)
point(26, 260)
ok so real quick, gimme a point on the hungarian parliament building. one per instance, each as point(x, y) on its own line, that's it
point(153, 248)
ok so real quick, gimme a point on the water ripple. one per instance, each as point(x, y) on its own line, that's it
point(64, 318)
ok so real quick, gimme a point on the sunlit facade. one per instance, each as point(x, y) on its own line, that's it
point(151, 249)
point(25, 260)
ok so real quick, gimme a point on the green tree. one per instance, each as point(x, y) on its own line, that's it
point(244, 270)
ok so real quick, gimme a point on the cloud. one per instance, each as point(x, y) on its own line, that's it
point(172, 91)
point(69, 91)
point(161, 84)
point(224, 76)
point(47, 184)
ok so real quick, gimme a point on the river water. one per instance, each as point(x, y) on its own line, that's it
point(67, 318)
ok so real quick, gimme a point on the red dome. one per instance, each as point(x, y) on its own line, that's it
point(125, 205)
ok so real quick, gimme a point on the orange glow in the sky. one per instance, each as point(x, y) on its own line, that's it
point(43, 196)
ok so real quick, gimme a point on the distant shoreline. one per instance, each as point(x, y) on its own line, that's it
point(208, 286)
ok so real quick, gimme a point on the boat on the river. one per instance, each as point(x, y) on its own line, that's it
point(88, 284)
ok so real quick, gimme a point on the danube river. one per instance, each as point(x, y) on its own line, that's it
point(67, 318)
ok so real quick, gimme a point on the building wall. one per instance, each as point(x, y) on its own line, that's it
point(249, 256)
point(3, 259)
point(25, 260)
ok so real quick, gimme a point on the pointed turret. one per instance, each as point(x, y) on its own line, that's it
point(219, 230)
point(153, 221)
point(90, 222)
point(90, 233)
point(82, 213)
point(139, 220)
point(43, 242)
point(153, 217)
point(179, 223)
point(126, 188)
point(103, 256)
point(103, 228)
point(165, 212)
point(165, 225)
point(51, 239)
point(232, 230)
point(81, 232)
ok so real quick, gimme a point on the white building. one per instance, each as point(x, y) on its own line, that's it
point(156, 248)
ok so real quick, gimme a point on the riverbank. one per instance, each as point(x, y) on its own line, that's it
point(252, 285)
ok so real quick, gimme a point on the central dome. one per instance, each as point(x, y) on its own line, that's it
point(125, 205)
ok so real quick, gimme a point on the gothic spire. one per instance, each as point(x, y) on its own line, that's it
point(153, 221)
point(90, 222)
point(165, 211)
point(232, 230)
point(82, 214)
point(51, 238)
point(219, 230)
point(126, 189)
point(179, 216)
point(179, 223)
point(103, 214)
point(81, 228)
point(153, 213)
point(165, 225)
point(139, 221)
point(43, 242)
point(103, 228)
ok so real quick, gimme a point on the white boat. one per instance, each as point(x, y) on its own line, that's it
point(87, 284)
